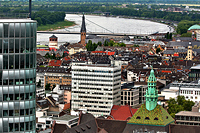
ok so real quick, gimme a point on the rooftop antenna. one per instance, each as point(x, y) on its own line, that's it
point(30, 9)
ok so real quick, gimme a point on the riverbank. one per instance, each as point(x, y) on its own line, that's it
point(172, 24)
point(58, 25)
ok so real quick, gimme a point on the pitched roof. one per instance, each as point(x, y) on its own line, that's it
point(86, 117)
point(83, 28)
point(122, 112)
point(87, 127)
point(53, 36)
point(55, 63)
point(111, 126)
point(157, 116)
point(59, 128)
point(66, 106)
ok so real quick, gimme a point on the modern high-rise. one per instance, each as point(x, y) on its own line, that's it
point(17, 75)
point(95, 87)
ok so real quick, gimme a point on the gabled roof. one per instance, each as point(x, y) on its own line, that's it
point(55, 63)
point(53, 36)
point(158, 116)
point(87, 127)
point(122, 112)
point(59, 128)
point(111, 126)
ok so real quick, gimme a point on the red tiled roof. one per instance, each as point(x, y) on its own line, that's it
point(165, 71)
point(66, 52)
point(66, 58)
point(55, 63)
point(66, 106)
point(52, 49)
point(122, 112)
point(176, 54)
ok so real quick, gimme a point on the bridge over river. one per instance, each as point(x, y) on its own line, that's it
point(92, 33)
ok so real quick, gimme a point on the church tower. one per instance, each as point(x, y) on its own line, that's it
point(152, 92)
point(83, 31)
point(189, 52)
point(150, 117)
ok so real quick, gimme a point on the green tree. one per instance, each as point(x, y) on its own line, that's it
point(48, 86)
point(89, 45)
point(136, 45)
point(188, 34)
point(158, 50)
point(175, 106)
point(105, 43)
point(99, 44)
point(122, 45)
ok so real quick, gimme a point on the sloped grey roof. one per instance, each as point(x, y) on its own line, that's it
point(184, 44)
point(168, 52)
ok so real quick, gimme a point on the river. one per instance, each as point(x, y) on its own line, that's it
point(105, 24)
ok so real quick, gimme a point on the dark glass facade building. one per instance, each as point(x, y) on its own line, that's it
point(17, 75)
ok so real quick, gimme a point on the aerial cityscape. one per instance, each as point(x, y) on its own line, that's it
point(111, 66)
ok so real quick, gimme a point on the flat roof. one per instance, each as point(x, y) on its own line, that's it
point(169, 90)
point(10, 20)
point(65, 117)
point(196, 67)
point(188, 113)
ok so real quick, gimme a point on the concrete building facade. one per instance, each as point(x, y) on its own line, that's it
point(95, 87)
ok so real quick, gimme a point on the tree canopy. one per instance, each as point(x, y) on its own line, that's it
point(179, 104)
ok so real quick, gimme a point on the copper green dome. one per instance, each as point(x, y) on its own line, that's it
point(194, 27)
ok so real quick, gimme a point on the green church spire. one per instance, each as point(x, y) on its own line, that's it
point(152, 92)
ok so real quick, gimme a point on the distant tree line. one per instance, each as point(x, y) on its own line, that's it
point(184, 25)
point(113, 8)
point(44, 17)
point(92, 46)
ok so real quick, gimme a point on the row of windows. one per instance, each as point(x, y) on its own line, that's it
point(129, 103)
point(17, 105)
point(98, 71)
point(17, 30)
point(104, 76)
point(18, 112)
point(190, 92)
point(98, 84)
point(17, 89)
point(100, 80)
point(17, 61)
point(16, 127)
point(18, 74)
point(188, 118)
point(93, 93)
point(129, 93)
point(17, 81)
point(103, 111)
point(17, 45)
point(22, 96)
point(94, 97)
point(129, 98)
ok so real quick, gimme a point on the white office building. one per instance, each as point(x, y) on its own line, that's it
point(191, 91)
point(95, 87)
